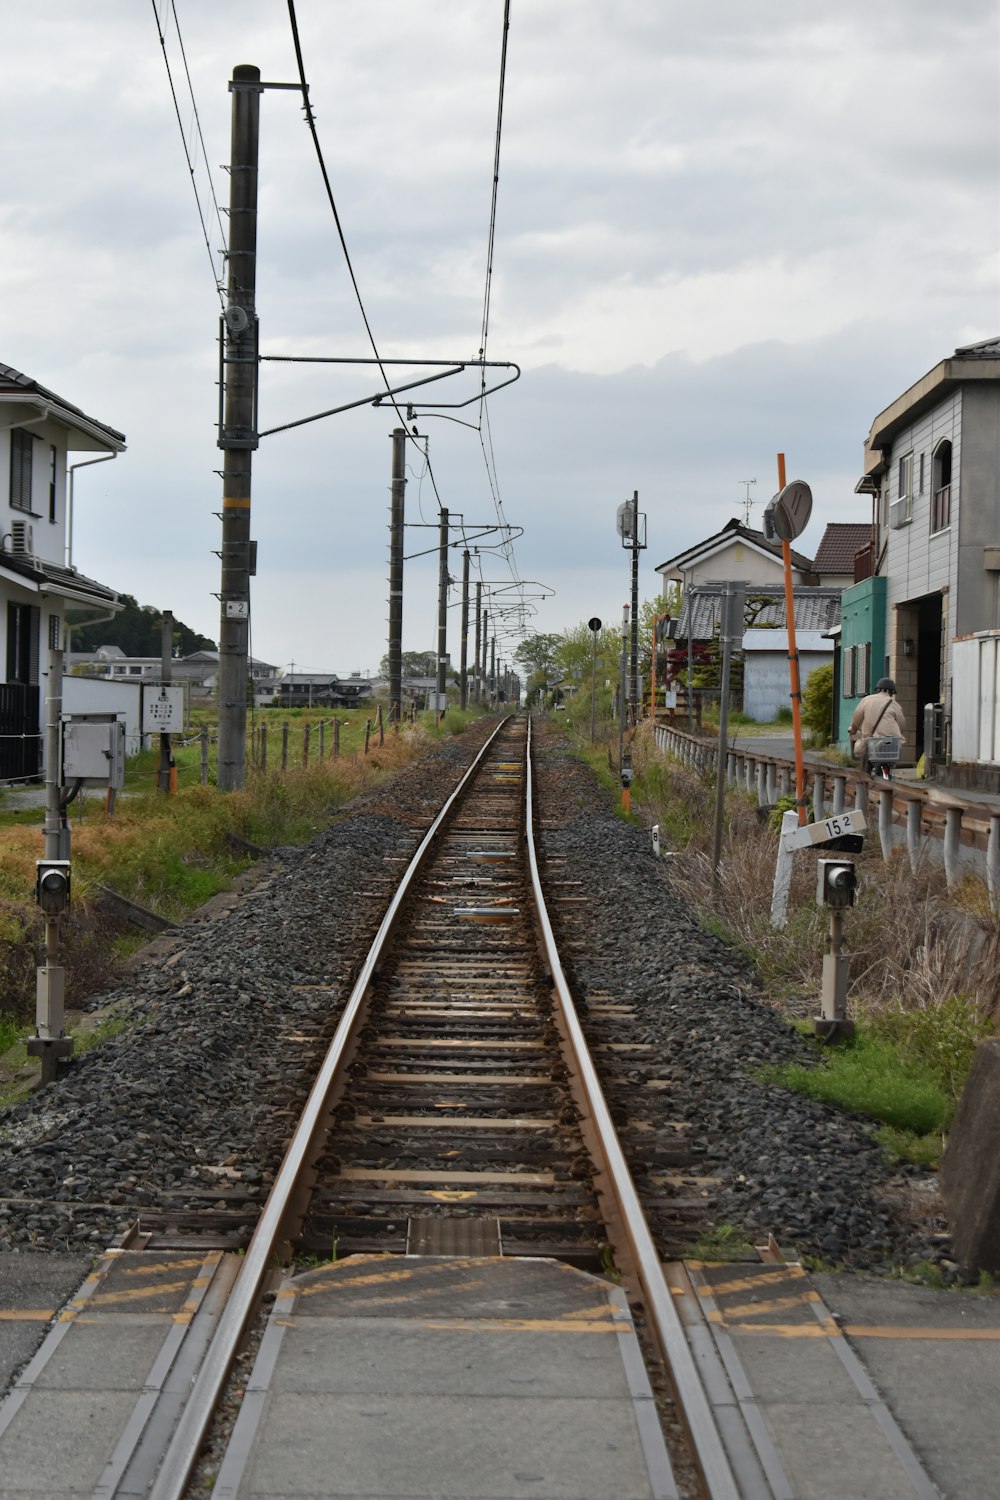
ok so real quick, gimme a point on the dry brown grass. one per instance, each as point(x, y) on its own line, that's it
point(913, 943)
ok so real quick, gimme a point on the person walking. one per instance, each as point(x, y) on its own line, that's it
point(878, 714)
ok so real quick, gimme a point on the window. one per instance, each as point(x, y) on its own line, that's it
point(861, 669)
point(922, 457)
point(52, 484)
point(21, 447)
point(941, 487)
point(22, 643)
point(906, 476)
point(848, 689)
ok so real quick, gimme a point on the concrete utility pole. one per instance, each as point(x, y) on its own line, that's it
point(238, 434)
point(634, 642)
point(465, 630)
point(442, 642)
point(479, 636)
point(396, 576)
point(49, 1043)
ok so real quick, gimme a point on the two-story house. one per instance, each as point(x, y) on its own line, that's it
point(929, 613)
point(40, 592)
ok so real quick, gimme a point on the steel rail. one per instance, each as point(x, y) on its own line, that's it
point(185, 1445)
point(666, 1325)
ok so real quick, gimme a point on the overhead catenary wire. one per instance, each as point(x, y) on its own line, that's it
point(161, 30)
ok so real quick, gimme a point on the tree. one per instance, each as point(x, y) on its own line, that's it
point(817, 703)
point(138, 631)
point(539, 656)
point(413, 664)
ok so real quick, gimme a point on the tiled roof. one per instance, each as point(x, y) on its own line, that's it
point(815, 609)
point(14, 382)
point(841, 540)
point(988, 349)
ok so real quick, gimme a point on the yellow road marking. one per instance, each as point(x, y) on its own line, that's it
point(765, 1279)
point(27, 1314)
point(139, 1293)
point(146, 1268)
point(761, 1309)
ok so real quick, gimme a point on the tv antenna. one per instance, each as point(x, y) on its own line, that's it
point(747, 502)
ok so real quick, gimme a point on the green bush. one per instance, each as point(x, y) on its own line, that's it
point(817, 703)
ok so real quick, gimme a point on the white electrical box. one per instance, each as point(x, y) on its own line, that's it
point(94, 752)
point(162, 709)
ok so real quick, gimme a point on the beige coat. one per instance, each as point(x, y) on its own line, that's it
point(864, 717)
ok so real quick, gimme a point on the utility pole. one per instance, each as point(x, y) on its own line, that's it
point(396, 576)
point(464, 701)
point(493, 672)
point(479, 637)
point(238, 432)
point(634, 643)
point(52, 890)
point(442, 641)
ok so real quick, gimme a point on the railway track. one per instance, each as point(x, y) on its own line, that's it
point(458, 1111)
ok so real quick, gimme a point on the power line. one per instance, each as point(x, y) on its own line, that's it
point(162, 34)
point(311, 122)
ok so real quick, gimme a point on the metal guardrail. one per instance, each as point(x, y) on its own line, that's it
point(962, 834)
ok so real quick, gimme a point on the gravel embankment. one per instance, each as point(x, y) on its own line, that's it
point(200, 1089)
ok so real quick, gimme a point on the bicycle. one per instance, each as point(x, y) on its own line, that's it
point(883, 753)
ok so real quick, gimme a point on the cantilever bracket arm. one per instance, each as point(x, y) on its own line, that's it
point(454, 367)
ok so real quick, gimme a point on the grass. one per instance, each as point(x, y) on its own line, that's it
point(867, 1076)
point(924, 959)
point(173, 853)
point(722, 1242)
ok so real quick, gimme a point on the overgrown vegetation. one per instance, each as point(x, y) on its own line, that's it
point(925, 961)
point(173, 853)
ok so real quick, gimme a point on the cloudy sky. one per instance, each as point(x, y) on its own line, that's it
point(723, 230)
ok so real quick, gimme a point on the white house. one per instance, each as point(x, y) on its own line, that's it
point(40, 591)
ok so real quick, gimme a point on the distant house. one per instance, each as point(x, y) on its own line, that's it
point(837, 557)
point(320, 690)
point(737, 552)
point(41, 593)
point(929, 614)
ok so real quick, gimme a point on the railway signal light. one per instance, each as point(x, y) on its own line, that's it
point(836, 883)
point(52, 885)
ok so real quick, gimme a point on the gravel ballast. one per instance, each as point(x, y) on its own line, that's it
point(200, 1087)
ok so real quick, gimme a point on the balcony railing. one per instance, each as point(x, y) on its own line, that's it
point(863, 563)
point(20, 738)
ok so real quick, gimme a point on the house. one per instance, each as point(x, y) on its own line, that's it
point(320, 690)
point(841, 546)
point(41, 593)
point(737, 552)
point(764, 644)
point(929, 614)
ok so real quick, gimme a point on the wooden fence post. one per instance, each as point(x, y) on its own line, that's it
point(263, 747)
point(284, 746)
point(336, 738)
point(305, 743)
point(322, 739)
point(203, 737)
point(368, 730)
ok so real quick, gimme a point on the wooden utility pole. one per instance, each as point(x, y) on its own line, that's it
point(238, 431)
point(396, 575)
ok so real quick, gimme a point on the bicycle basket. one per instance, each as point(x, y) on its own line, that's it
point(884, 748)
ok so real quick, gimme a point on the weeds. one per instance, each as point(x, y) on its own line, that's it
point(723, 1242)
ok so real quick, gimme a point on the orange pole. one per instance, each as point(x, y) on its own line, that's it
point(793, 662)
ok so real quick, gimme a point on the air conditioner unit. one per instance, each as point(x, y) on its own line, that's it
point(22, 538)
point(901, 512)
